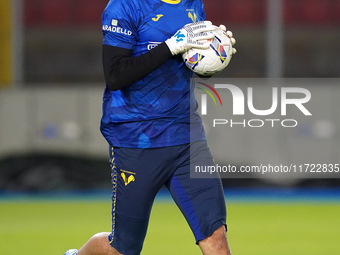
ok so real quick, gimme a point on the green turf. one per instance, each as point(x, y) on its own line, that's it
point(40, 228)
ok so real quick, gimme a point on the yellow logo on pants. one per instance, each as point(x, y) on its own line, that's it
point(127, 176)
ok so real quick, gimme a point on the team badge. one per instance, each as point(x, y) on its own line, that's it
point(127, 177)
point(192, 16)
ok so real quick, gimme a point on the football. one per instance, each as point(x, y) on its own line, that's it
point(207, 62)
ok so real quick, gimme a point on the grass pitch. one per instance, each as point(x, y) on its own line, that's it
point(38, 227)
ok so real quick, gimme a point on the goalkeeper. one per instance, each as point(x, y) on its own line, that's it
point(151, 123)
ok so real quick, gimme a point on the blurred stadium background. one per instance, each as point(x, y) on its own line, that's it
point(54, 172)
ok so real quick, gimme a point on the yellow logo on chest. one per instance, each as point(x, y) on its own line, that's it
point(158, 16)
point(192, 16)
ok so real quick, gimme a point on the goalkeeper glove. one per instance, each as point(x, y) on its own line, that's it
point(230, 35)
point(192, 35)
